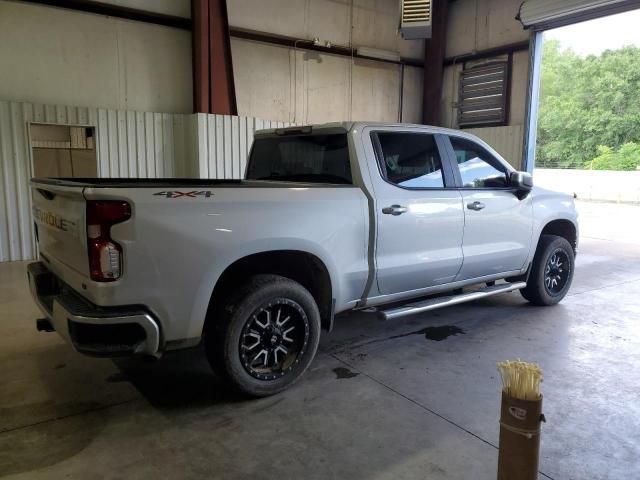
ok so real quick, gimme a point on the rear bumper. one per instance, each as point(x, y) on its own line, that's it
point(91, 329)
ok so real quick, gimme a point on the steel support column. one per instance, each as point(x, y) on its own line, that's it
point(213, 85)
point(434, 64)
point(200, 35)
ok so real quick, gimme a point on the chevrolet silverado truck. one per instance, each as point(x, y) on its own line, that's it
point(329, 218)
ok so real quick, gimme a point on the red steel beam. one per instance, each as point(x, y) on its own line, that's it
point(200, 35)
point(222, 95)
point(213, 85)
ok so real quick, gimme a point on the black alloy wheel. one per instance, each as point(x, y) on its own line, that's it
point(274, 338)
point(557, 272)
point(551, 271)
point(264, 336)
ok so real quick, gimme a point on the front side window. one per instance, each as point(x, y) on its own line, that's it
point(410, 160)
point(301, 158)
point(478, 168)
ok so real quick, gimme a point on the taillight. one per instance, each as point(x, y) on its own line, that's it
point(105, 255)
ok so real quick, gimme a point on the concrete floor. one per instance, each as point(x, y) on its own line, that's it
point(378, 402)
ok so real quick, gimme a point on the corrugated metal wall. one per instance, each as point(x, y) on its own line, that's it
point(224, 143)
point(134, 144)
point(507, 141)
point(128, 144)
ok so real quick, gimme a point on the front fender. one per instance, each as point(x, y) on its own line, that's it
point(549, 206)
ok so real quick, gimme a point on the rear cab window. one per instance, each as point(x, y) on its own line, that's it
point(307, 158)
point(409, 160)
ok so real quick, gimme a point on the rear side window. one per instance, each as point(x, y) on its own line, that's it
point(410, 160)
point(301, 158)
point(478, 168)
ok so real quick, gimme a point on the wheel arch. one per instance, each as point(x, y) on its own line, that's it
point(301, 266)
point(563, 228)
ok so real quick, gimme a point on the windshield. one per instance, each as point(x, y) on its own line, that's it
point(301, 158)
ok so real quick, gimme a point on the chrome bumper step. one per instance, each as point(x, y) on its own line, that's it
point(445, 301)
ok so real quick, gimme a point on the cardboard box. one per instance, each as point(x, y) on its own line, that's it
point(519, 450)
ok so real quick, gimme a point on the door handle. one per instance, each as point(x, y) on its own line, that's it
point(394, 210)
point(475, 206)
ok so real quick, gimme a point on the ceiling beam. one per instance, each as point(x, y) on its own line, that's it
point(488, 53)
point(117, 11)
point(293, 42)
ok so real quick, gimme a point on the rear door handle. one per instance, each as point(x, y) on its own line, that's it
point(394, 210)
point(475, 206)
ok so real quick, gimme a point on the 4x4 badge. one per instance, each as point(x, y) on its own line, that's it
point(192, 194)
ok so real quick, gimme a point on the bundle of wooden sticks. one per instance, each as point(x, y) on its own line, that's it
point(520, 380)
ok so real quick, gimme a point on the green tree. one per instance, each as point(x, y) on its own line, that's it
point(587, 102)
point(627, 157)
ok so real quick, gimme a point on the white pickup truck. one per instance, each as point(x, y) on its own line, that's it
point(333, 217)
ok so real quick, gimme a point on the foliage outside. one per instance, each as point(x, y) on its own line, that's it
point(589, 113)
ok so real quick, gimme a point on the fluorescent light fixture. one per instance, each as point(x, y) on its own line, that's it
point(377, 53)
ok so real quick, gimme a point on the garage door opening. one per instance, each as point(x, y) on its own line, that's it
point(587, 133)
point(63, 151)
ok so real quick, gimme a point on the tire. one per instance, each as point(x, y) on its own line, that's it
point(551, 272)
point(258, 319)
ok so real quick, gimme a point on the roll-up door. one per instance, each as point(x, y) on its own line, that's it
point(546, 14)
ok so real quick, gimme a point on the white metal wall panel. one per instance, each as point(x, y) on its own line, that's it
point(15, 232)
point(135, 144)
point(507, 141)
point(224, 142)
point(128, 144)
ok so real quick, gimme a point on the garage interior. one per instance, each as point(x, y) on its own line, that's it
point(173, 88)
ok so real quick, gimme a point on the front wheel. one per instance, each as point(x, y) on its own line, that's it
point(266, 336)
point(551, 272)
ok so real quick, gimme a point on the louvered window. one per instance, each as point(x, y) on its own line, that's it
point(483, 95)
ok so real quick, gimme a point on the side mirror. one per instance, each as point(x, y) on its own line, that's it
point(522, 182)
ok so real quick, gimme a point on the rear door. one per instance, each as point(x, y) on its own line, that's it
point(418, 210)
point(59, 216)
point(498, 226)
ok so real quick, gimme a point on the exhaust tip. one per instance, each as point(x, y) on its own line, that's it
point(44, 325)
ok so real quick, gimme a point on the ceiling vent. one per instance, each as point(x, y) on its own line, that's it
point(416, 19)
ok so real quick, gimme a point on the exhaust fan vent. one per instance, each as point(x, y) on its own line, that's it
point(416, 19)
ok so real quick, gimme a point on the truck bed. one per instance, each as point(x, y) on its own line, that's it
point(175, 182)
point(135, 182)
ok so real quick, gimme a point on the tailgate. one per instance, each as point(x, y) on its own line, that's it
point(59, 215)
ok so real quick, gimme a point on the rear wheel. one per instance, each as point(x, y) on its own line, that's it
point(266, 336)
point(551, 271)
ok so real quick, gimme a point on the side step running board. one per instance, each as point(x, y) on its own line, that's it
point(439, 302)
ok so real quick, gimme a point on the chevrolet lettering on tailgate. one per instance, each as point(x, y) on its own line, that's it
point(53, 220)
